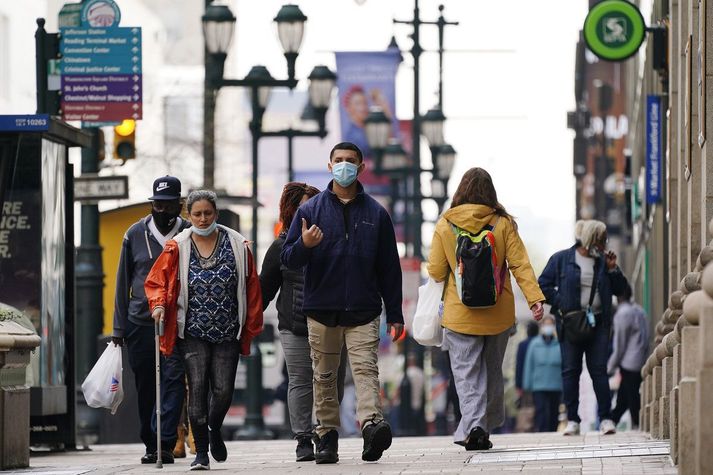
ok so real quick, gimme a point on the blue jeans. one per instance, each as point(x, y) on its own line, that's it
point(596, 351)
point(142, 359)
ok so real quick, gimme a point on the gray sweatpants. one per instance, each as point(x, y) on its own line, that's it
point(477, 365)
point(299, 390)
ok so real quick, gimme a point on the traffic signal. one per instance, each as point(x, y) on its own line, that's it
point(124, 138)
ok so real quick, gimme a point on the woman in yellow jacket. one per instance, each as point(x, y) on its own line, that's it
point(476, 338)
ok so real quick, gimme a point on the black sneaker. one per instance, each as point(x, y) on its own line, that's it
point(167, 456)
point(327, 447)
point(478, 439)
point(377, 438)
point(217, 446)
point(201, 462)
point(149, 457)
point(305, 450)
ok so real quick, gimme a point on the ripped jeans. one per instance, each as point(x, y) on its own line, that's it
point(211, 372)
point(362, 344)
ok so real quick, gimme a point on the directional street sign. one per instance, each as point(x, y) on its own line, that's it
point(94, 188)
point(101, 73)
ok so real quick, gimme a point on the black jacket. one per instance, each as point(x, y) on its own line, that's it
point(275, 276)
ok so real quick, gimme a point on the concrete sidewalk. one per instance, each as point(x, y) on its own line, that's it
point(629, 452)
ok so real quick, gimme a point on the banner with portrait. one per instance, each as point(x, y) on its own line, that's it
point(367, 79)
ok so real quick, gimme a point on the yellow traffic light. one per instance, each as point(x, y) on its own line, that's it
point(124, 138)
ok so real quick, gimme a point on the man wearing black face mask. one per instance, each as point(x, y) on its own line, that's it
point(133, 325)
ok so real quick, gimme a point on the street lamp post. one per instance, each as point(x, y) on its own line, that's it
point(218, 27)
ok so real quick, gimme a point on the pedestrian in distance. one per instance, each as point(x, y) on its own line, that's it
point(134, 327)
point(345, 241)
point(543, 376)
point(579, 282)
point(525, 404)
point(631, 348)
point(477, 332)
point(205, 288)
point(292, 323)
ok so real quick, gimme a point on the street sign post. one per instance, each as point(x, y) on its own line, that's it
point(614, 30)
point(94, 188)
point(101, 67)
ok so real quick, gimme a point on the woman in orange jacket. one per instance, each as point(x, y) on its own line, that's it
point(205, 288)
point(476, 336)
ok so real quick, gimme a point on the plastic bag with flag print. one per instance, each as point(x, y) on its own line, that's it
point(103, 386)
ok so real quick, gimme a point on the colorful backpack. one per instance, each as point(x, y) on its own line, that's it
point(479, 280)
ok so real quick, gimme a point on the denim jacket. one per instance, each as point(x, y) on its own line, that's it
point(561, 283)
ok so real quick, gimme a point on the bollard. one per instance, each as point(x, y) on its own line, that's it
point(704, 392)
point(16, 344)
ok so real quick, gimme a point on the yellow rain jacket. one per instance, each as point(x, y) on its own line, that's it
point(509, 247)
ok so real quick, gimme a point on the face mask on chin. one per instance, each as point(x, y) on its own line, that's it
point(594, 252)
point(164, 219)
point(205, 231)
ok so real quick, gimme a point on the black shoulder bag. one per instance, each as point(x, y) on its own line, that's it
point(575, 324)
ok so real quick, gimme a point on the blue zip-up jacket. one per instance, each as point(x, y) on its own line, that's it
point(543, 365)
point(356, 265)
point(561, 284)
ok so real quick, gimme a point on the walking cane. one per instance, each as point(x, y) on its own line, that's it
point(159, 332)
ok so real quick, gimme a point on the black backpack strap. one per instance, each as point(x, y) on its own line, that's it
point(593, 292)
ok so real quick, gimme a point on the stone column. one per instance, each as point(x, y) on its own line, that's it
point(690, 365)
point(669, 342)
point(704, 394)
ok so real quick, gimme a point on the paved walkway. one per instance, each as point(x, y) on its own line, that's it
point(626, 453)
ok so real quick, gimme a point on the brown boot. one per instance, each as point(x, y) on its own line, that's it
point(191, 441)
point(179, 451)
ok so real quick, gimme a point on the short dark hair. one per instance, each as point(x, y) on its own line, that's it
point(347, 146)
point(532, 328)
point(626, 294)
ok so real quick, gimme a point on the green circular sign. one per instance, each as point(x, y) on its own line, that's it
point(614, 29)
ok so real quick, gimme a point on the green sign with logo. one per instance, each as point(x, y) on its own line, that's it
point(614, 29)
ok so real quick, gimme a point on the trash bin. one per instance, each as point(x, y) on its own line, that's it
point(16, 345)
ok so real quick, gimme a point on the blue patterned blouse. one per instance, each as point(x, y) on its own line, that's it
point(212, 288)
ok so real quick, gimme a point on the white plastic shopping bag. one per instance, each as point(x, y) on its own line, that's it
point(427, 320)
point(103, 386)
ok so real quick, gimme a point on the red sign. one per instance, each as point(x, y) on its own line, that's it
point(101, 111)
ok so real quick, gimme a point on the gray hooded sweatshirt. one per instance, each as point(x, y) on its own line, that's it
point(139, 251)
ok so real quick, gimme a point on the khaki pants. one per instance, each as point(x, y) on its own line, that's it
point(362, 344)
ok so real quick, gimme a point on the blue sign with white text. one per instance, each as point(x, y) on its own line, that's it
point(24, 123)
point(654, 166)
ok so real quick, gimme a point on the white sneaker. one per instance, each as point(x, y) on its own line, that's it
point(572, 428)
point(607, 427)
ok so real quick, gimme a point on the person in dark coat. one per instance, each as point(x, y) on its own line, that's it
point(525, 403)
point(292, 323)
point(134, 327)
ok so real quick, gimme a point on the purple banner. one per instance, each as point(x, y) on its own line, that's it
point(120, 85)
point(366, 79)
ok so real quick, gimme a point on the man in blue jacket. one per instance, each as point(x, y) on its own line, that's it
point(345, 241)
point(133, 325)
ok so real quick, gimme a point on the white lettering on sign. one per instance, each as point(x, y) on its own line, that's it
point(11, 219)
point(100, 189)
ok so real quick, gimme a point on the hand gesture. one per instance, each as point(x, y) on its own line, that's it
point(158, 314)
point(538, 311)
point(610, 257)
point(117, 340)
point(398, 329)
point(311, 236)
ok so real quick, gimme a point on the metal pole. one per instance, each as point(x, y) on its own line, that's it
point(416, 135)
point(208, 119)
point(255, 129)
point(441, 27)
point(290, 170)
point(41, 66)
point(89, 277)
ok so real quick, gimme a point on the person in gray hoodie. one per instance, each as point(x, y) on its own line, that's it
point(133, 326)
point(631, 348)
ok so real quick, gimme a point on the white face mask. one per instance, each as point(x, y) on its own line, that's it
point(205, 231)
point(547, 330)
